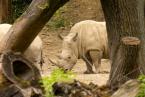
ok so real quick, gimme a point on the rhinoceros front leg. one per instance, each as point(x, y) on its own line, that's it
point(96, 56)
point(89, 64)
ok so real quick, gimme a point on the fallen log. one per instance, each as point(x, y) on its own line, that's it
point(11, 91)
point(20, 73)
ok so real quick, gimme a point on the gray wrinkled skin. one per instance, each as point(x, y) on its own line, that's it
point(87, 40)
point(33, 52)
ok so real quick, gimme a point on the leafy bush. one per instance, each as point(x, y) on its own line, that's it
point(58, 75)
point(142, 86)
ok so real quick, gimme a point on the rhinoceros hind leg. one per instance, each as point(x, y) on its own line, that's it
point(96, 56)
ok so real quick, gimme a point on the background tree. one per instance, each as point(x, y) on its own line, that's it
point(10, 10)
point(5, 10)
point(125, 26)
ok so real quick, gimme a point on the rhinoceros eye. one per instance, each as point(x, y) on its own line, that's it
point(69, 57)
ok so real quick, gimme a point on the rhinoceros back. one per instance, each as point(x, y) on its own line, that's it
point(4, 28)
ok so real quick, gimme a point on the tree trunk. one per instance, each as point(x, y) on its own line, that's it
point(5, 10)
point(125, 26)
point(26, 28)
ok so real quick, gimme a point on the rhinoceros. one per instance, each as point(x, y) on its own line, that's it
point(87, 40)
point(33, 53)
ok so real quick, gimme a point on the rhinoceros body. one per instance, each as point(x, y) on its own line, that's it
point(87, 40)
point(33, 52)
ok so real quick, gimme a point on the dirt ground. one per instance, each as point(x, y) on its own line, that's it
point(52, 44)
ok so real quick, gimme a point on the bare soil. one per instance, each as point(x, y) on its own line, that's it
point(77, 10)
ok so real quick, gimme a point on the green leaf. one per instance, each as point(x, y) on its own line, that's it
point(57, 75)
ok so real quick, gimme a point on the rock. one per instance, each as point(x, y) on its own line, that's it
point(129, 89)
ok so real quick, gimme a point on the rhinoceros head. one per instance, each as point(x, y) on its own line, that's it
point(69, 54)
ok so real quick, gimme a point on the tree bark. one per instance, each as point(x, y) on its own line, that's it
point(5, 10)
point(142, 49)
point(26, 28)
point(124, 18)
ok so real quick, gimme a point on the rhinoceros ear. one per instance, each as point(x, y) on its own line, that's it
point(75, 37)
point(61, 36)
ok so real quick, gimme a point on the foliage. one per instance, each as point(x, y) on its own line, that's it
point(142, 86)
point(58, 75)
point(59, 20)
point(18, 7)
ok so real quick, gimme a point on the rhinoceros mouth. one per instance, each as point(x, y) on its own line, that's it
point(71, 67)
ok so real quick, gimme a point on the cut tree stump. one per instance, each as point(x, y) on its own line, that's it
point(127, 67)
point(134, 41)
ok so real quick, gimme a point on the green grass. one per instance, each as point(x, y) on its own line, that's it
point(58, 75)
point(142, 86)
